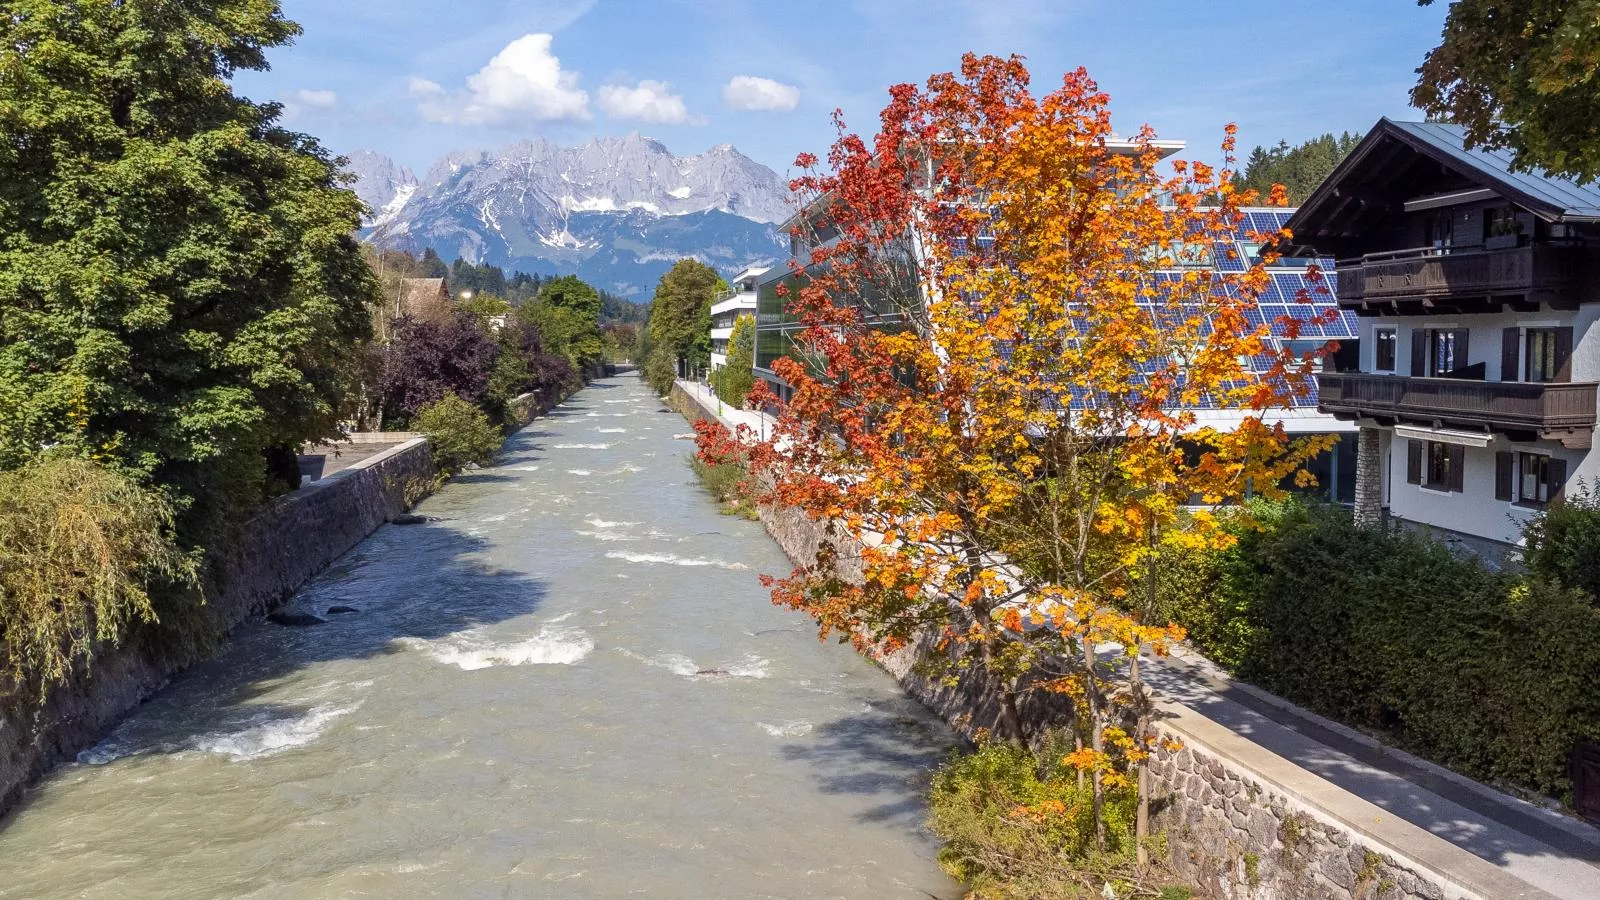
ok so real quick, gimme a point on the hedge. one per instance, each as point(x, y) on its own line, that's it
point(1489, 673)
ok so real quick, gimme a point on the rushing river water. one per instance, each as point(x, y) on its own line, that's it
point(568, 684)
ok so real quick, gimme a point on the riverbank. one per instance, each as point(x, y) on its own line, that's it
point(1253, 808)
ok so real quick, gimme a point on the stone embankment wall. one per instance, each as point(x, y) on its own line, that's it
point(273, 554)
point(1241, 822)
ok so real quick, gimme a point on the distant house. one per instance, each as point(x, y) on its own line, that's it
point(424, 299)
point(1477, 288)
point(737, 302)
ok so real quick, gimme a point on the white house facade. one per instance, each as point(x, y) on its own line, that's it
point(737, 302)
point(1478, 294)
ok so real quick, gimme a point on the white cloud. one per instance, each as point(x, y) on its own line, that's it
point(752, 92)
point(650, 101)
point(318, 99)
point(422, 87)
point(523, 81)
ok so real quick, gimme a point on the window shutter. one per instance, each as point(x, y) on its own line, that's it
point(1511, 354)
point(1458, 468)
point(1413, 462)
point(1504, 474)
point(1558, 477)
point(1419, 352)
point(1463, 349)
point(1563, 354)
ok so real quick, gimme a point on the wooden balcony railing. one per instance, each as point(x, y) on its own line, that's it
point(1564, 411)
point(1550, 272)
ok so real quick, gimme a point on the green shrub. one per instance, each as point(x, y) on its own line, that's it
point(1483, 671)
point(661, 369)
point(81, 548)
point(1563, 541)
point(458, 433)
point(729, 484)
point(1018, 827)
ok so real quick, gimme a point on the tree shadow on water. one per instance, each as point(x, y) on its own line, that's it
point(410, 586)
point(888, 754)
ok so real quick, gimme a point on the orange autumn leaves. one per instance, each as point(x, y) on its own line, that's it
point(1010, 322)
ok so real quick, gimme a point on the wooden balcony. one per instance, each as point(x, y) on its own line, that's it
point(1465, 279)
point(1552, 411)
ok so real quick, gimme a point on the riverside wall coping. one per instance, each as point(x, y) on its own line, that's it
point(1452, 868)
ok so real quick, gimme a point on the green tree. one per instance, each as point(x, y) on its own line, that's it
point(734, 380)
point(458, 433)
point(432, 266)
point(680, 313)
point(1523, 76)
point(565, 332)
point(571, 292)
point(1299, 168)
point(180, 288)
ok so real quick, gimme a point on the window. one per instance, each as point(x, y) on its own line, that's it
point(1441, 468)
point(1447, 351)
point(1528, 479)
point(1541, 359)
point(1440, 232)
point(1383, 341)
point(1533, 478)
point(1436, 465)
point(1317, 351)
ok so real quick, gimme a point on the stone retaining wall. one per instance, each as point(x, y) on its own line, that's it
point(273, 554)
point(1241, 822)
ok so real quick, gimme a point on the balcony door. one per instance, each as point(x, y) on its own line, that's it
point(1437, 352)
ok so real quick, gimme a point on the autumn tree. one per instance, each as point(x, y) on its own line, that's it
point(1523, 76)
point(1009, 323)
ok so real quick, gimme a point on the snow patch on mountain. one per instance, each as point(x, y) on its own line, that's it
point(615, 210)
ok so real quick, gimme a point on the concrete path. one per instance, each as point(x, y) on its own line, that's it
point(1547, 850)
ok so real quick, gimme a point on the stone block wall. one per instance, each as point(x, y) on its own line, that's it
point(1237, 836)
point(271, 556)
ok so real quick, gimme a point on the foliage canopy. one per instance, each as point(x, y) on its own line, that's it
point(1001, 355)
point(1524, 76)
point(179, 281)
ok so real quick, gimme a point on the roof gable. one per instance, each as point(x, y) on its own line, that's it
point(1552, 198)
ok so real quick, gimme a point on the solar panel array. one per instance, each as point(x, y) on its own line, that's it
point(1292, 294)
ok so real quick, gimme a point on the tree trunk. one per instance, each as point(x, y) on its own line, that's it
point(1091, 695)
point(1010, 717)
point(1141, 821)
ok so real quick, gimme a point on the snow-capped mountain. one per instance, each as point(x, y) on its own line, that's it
point(381, 184)
point(617, 211)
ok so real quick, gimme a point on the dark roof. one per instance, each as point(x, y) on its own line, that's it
point(1553, 198)
point(1573, 200)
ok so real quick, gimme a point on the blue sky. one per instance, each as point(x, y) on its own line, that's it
point(416, 79)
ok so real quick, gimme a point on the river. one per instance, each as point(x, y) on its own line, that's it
point(567, 684)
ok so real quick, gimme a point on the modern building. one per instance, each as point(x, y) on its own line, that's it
point(1477, 289)
point(737, 302)
point(1335, 471)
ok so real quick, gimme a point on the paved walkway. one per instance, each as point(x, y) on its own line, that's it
point(1545, 849)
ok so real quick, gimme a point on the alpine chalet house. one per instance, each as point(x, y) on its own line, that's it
point(1335, 471)
point(1477, 293)
point(737, 302)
